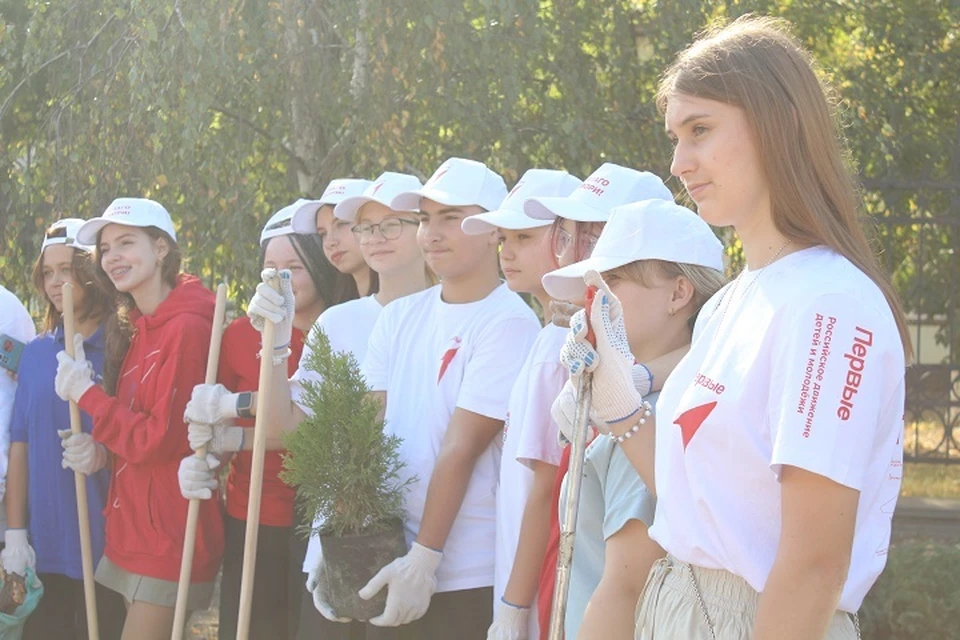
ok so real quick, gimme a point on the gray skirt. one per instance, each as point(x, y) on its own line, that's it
point(134, 587)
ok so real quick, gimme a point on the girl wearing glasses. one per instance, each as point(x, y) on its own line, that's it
point(40, 496)
point(388, 243)
point(316, 284)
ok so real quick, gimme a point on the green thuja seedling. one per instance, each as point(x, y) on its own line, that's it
point(345, 468)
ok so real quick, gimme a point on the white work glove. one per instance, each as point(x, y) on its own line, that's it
point(276, 306)
point(411, 581)
point(218, 438)
point(615, 397)
point(17, 555)
point(209, 404)
point(81, 453)
point(197, 478)
point(564, 407)
point(509, 622)
point(315, 587)
point(74, 375)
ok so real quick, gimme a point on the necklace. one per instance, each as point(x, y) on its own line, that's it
point(736, 284)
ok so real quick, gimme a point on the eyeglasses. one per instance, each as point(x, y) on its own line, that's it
point(562, 240)
point(390, 229)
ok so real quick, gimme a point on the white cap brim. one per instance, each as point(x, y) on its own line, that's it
point(410, 200)
point(568, 208)
point(350, 207)
point(88, 232)
point(567, 282)
point(499, 219)
point(304, 219)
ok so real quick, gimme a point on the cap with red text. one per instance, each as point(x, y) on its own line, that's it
point(305, 217)
point(609, 186)
point(130, 212)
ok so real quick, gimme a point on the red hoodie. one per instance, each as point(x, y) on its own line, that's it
point(143, 426)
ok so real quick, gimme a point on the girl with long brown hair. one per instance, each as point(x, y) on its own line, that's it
point(157, 346)
point(41, 497)
point(777, 458)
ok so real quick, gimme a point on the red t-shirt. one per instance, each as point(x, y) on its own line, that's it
point(240, 371)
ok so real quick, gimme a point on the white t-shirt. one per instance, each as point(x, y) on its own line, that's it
point(529, 434)
point(348, 326)
point(15, 322)
point(431, 358)
point(806, 369)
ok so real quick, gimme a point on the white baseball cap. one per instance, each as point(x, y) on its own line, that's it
point(382, 190)
point(281, 223)
point(510, 215)
point(130, 212)
point(457, 183)
point(649, 230)
point(305, 218)
point(68, 236)
point(609, 186)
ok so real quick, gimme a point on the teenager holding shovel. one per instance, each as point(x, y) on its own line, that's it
point(782, 426)
point(315, 283)
point(663, 262)
point(156, 349)
point(41, 497)
point(391, 249)
point(577, 222)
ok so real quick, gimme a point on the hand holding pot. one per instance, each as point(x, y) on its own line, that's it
point(411, 581)
point(314, 586)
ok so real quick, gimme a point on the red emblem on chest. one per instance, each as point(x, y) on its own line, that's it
point(447, 358)
point(691, 419)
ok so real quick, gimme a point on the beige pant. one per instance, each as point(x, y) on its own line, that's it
point(669, 608)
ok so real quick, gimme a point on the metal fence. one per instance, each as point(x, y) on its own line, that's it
point(919, 229)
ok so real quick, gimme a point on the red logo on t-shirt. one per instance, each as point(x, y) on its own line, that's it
point(691, 419)
point(376, 188)
point(448, 357)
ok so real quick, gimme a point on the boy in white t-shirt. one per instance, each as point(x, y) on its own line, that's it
point(443, 361)
point(526, 254)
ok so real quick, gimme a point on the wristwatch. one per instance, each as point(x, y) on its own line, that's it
point(245, 404)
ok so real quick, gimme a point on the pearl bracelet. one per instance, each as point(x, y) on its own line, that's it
point(646, 409)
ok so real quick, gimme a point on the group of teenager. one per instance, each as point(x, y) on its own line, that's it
point(744, 453)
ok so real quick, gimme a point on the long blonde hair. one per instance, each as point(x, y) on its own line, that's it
point(755, 63)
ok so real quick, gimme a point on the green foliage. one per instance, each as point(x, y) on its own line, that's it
point(226, 110)
point(345, 468)
point(917, 596)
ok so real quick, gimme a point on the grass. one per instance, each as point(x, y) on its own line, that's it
point(931, 480)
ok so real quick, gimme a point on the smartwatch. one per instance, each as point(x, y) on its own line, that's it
point(245, 404)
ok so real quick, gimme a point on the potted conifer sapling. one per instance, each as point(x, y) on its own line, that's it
point(347, 474)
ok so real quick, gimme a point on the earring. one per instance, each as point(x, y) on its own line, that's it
point(671, 311)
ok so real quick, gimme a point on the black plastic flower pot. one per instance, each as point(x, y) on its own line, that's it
point(351, 561)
